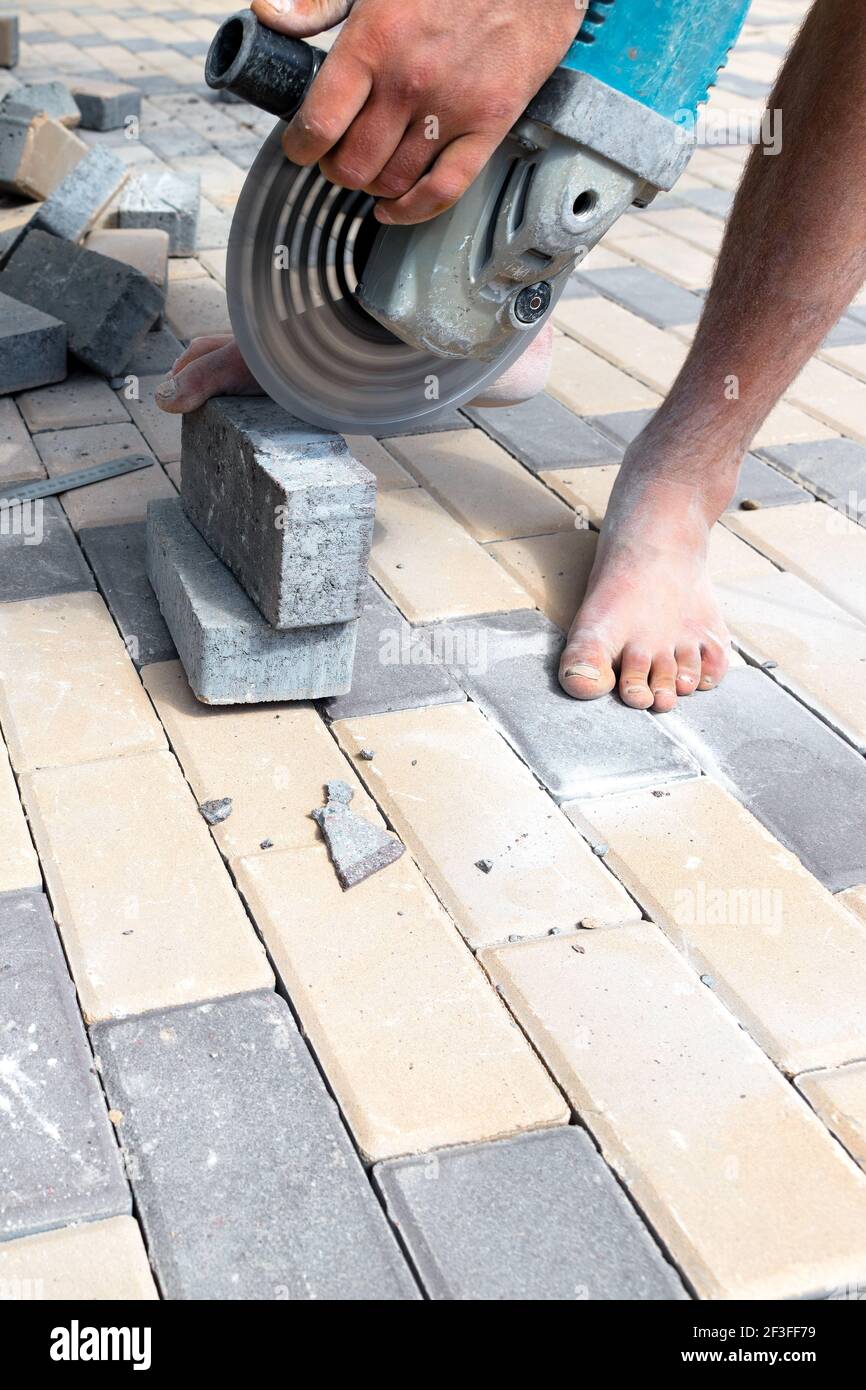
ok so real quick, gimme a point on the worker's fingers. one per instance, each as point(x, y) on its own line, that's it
point(456, 168)
point(367, 146)
point(409, 162)
point(339, 91)
point(301, 18)
point(197, 348)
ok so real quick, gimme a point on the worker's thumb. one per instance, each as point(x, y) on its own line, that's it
point(301, 19)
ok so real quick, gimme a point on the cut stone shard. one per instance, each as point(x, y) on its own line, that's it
point(357, 848)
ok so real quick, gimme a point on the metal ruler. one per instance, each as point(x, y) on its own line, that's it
point(49, 487)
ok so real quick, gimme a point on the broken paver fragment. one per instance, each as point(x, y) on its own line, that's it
point(217, 811)
point(357, 848)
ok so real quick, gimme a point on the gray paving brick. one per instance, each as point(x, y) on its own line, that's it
point(107, 306)
point(394, 666)
point(78, 199)
point(760, 483)
point(104, 105)
point(284, 505)
point(715, 201)
point(543, 434)
point(578, 287)
point(59, 1161)
point(32, 345)
point(508, 664)
point(173, 142)
point(647, 294)
point(622, 427)
point(539, 1217)
point(163, 199)
point(157, 351)
point(451, 420)
point(848, 332)
point(52, 99)
point(789, 769)
point(835, 469)
point(118, 556)
point(38, 552)
point(245, 1180)
point(231, 655)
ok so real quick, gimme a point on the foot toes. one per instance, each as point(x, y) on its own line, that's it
point(585, 670)
point(219, 371)
point(714, 664)
point(634, 677)
point(688, 659)
point(663, 682)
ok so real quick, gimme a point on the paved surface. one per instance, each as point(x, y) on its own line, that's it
point(482, 1074)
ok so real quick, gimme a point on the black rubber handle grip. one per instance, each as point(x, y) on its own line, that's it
point(267, 69)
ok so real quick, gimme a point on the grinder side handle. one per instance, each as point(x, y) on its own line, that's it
point(269, 70)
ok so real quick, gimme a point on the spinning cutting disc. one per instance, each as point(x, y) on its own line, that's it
point(297, 249)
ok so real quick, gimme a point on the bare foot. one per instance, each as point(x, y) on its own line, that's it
point(214, 367)
point(650, 619)
point(209, 367)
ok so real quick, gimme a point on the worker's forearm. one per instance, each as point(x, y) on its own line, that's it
point(794, 252)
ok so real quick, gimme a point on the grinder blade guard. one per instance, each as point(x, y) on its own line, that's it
point(369, 329)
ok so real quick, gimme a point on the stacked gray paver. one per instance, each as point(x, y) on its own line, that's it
point(261, 569)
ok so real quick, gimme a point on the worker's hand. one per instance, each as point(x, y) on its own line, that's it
point(416, 94)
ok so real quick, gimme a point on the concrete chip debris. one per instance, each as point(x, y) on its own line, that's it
point(357, 848)
point(215, 812)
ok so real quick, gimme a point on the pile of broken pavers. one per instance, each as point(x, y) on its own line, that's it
point(84, 244)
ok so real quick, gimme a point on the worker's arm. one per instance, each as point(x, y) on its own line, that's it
point(416, 94)
point(794, 253)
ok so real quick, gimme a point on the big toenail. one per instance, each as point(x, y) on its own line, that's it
point(591, 673)
point(167, 389)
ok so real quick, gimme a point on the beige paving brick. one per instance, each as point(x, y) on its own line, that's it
point(430, 567)
point(413, 1038)
point(692, 225)
point(387, 471)
point(552, 569)
point(147, 911)
point(185, 268)
point(587, 490)
point(272, 760)
point(589, 385)
point(120, 499)
point(214, 262)
point(850, 359)
point(820, 650)
point(783, 954)
point(98, 1260)
point(854, 899)
point(818, 543)
point(667, 255)
point(19, 867)
point(831, 396)
point(68, 690)
point(715, 168)
point(602, 258)
point(743, 1185)
point(80, 400)
point(19, 460)
point(456, 794)
point(839, 1097)
point(221, 179)
point(196, 307)
point(161, 431)
point(785, 424)
point(481, 485)
point(624, 339)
